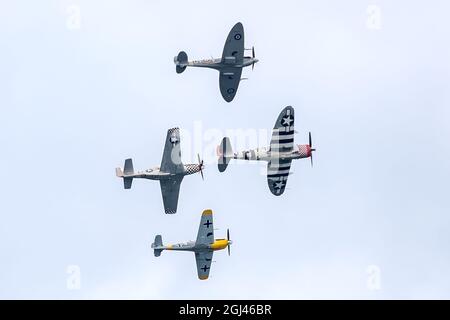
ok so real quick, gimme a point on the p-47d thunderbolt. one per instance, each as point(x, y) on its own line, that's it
point(203, 247)
point(230, 65)
point(170, 173)
point(279, 155)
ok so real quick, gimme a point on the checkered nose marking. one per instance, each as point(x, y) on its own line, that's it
point(192, 168)
point(304, 150)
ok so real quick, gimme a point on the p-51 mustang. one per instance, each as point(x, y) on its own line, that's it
point(230, 65)
point(279, 155)
point(170, 174)
point(203, 247)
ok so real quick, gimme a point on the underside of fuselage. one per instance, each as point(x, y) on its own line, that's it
point(218, 244)
point(157, 174)
point(257, 155)
point(219, 65)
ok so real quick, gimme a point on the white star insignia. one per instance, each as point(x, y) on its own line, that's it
point(279, 185)
point(287, 120)
point(173, 139)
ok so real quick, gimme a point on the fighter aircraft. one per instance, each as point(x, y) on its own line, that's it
point(203, 247)
point(230, 65)
point(279, 155)
point(170, 173)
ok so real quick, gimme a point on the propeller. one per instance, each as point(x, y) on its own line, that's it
point(253, 55)
point(228, 238)
point(200, 165)
point(312, 149)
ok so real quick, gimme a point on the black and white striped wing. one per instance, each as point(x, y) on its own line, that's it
point(283, 132)
point(277, 175)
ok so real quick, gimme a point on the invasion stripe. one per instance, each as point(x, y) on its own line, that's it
point(278, 175)
point(285, 140)
point(280, 165)
point(284, 136)
point(278, 146)
point(271, 172)
point(282, 133)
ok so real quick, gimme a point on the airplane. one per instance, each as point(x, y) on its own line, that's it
point(170, 173)
point(230, 65)
point(203, 247)
point(279, 155)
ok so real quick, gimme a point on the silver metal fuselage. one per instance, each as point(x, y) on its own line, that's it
point(192, 246)
point(264, 154)
point(218, 64)
point(156, 173)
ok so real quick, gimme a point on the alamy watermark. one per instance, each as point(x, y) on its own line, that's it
point(373, 277)
point(73, 281)
point(373, 21)
point(73, 20)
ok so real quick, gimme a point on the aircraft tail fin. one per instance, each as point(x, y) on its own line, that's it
point(157, 245)
point(119, 172)
point(181, 61)
point(225, 153)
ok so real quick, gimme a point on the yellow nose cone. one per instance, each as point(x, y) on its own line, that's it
point(219, 244)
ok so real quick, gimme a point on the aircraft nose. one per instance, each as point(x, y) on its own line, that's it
point(230, 242)
point(256, 60)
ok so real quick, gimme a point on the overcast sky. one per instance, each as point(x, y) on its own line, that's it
point(85, 84)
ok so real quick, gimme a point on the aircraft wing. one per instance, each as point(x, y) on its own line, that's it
point(203, 260)
point(205, 233)
point(233, 50)
point(229, 79)
point(283, 131)
point(277, 175)
point(170, 190)
point(171, 160)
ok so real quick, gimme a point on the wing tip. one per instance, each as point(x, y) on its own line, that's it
point(173, 129)
point(288, 108)
point(207, 212)
point(238, 25)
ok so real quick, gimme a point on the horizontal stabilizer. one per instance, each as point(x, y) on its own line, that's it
point(157, 245)
point(127, 171)
point(128, 167)
point(127, 182)
point(225, 154)
point(181, 61)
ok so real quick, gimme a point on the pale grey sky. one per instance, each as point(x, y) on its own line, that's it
point(76, 102)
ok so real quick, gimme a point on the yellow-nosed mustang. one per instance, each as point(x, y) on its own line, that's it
point(203, 247)
point(279, 155)
point(170, 173)
point(230, 65)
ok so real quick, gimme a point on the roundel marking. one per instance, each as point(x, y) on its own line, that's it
point(237, 36)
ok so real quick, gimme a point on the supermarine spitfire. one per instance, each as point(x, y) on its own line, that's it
point(279, 155)
point(203, 247)
point(170, 173)
point(230, 65)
